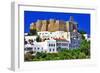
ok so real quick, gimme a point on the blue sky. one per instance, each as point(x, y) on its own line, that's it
point(82, 19)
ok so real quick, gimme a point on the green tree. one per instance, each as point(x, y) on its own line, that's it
point(82, 55)
point(33, 32)
point(81, 32)
point(38, 39)
point(83, 37)
point(85, 47)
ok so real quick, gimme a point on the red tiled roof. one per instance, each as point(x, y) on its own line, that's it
point(61, 39)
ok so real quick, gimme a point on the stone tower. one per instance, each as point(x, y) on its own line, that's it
point(32, 26)
point(44, 25)
point(71, 25)
point(38, 25)
point(51, 26)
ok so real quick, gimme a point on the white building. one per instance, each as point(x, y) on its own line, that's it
point(48, 46)
point(28, 47)
point(44, 35)
point(86, 37)
point(62, 43)
point(57, 34)
point(51, 46)
point(25, 34)
point(30, 38)
point(40, 46)
point(53, 41)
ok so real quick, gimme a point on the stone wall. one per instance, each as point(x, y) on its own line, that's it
point(54, 25)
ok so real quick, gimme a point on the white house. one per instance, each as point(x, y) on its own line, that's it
point(62, 43)
point(30, 38)
point(40, 47)
point(48, 46)
point(51, 46)
point(28, 47)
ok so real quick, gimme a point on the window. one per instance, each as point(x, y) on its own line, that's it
point(25, 48)
point(50, 50)
point(34, 48)
point(42, 48)
point(30, 41)
point(49, 44)
point(64, 44)
point(38, 48)
point(25, 42)
point(58, 44)
point(53, 49)
point(29, 48)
